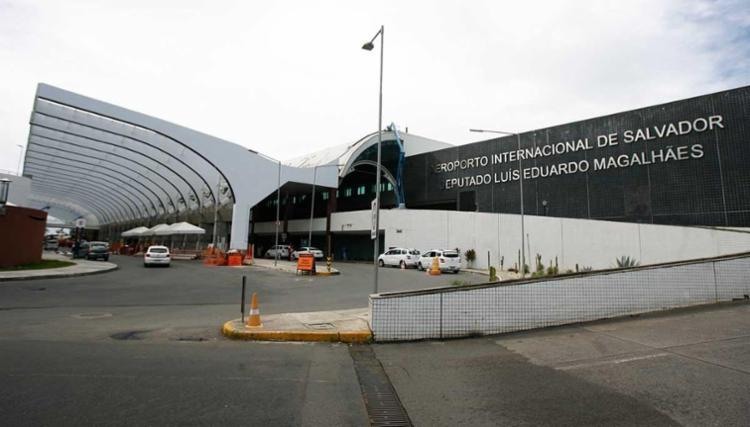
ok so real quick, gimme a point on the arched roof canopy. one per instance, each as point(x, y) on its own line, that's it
point(121, 166)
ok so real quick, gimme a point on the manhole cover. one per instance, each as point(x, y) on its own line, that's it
point(87, 316)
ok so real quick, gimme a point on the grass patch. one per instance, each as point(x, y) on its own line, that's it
point(42, 265)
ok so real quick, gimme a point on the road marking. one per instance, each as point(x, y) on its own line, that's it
point(612, 362)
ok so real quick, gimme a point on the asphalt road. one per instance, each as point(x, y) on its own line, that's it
point(141, 346)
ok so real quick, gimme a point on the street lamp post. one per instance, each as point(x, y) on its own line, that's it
point(522, 267)
point(312, 207)
point(20, 157)
point(216, 212)
point(312, 204)
point(278, 206)
point(376, 245)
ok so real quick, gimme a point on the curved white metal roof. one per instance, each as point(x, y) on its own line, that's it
point(346, 155)
point(116, 166)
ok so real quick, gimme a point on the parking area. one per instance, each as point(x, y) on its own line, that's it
point(152, 335)
point(190, 294)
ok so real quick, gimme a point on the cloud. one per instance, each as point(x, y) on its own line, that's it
point(287, 78)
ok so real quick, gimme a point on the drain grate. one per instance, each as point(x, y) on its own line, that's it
point(382, 403)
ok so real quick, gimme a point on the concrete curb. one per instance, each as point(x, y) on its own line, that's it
point(234, 329)
point(292, 270)
point(55, 273)
point(327, 273)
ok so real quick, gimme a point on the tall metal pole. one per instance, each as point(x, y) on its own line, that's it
point(20, 157)
point(376, 248)
point(312, 207)
point(521, 268)
point(278, 206)
point(520, 186)
point(376, 239)
point(216, 210)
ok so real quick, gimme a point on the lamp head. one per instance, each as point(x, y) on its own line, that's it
point(368, 46)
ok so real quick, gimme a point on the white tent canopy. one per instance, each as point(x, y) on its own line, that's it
point(54, 221)
point(134, 232)
point(180, 228)
point(153, 231)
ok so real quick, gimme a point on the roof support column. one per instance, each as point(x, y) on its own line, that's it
point(240, 225)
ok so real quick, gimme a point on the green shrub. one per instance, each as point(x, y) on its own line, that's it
point(493, 274)
point(626, 261)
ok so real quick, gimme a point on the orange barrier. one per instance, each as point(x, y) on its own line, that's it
point(234, 259)
point(306, 262)
point(249, 257)
point(214, 257)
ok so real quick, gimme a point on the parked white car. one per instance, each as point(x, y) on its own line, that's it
point(317, 253)
point(448, 260)
point(408, 257)
point(157, 255)
point(283, 250)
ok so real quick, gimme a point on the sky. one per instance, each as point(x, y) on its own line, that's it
point(287, 78)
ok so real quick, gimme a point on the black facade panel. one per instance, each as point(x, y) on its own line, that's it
point(685, 162)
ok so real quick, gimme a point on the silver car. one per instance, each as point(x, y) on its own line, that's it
point(282, 250)
point(399, 257)
point(317, 253)
point(448, 260)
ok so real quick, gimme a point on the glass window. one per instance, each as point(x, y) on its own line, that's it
point(325, 195)
point(347, 192)
point(361, 190)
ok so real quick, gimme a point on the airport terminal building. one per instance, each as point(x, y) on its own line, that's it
point(678, 164)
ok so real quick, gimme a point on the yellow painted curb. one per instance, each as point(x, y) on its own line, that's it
point(326, 273)
point(260, 334)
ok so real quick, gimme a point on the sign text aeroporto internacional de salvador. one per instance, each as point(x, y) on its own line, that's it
point(658, 154)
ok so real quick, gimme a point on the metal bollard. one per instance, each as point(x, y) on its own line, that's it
point(242, 304)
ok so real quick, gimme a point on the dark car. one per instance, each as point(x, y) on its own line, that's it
point(96, 250)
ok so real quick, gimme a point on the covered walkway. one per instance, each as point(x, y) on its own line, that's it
point(119, 169)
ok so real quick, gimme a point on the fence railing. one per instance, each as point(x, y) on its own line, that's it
point(528, 304)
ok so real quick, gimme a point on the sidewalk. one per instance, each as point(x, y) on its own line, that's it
point(349, 326)
point(81, 268)
point(291, 266)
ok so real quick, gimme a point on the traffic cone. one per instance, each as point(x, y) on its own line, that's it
point(403, 265)
point(254, 318)
point(435, 268)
